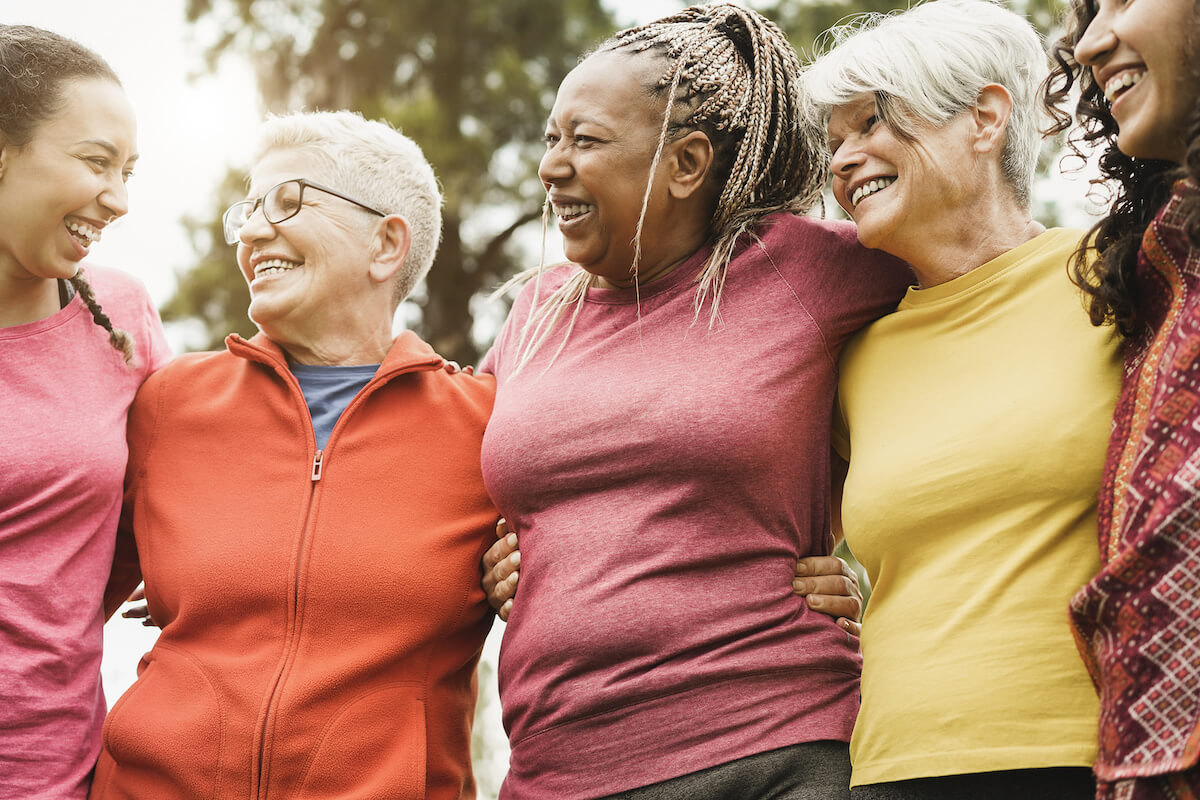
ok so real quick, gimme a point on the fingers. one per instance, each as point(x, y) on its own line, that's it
point(850, 626)
point(824, 565)
point(501, 564)
point(504, 547)
point(138, 594)
point(834, 585)
point(141, 612)
point(832, 588)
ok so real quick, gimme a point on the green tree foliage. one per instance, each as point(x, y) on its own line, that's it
point(470, 81)
point(212, 293)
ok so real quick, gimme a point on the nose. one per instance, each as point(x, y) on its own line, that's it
point(256, 228)
point(115, 198)
point(555, 166)
point(845, 160)
point(1097, 42)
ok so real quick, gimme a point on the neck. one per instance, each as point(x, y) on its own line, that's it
point(26, 299)
point(343, 349)
point(966, 242)
point(688, 237)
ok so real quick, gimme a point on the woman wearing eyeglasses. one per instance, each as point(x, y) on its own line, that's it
point(278, 490)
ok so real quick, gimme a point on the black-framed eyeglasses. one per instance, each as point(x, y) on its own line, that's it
point(281, 202)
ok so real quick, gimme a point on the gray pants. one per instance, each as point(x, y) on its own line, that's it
point(810, 771)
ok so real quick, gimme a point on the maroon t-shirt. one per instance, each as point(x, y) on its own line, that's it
point(664, 476)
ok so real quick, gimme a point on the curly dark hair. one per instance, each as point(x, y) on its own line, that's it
point(34, 66)
point(1105, 266)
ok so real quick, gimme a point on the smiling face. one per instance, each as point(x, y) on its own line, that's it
point(894, 189)
point(59, 190)
point(1140, 55)
point(600, 142)
point(309, 275)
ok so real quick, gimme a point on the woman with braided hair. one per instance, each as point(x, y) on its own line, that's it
point(75, 344)
point(1134, 66)
point(661, 431)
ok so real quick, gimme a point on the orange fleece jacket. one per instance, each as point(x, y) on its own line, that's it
point(321, 612)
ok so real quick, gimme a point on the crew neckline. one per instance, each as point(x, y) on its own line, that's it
point(689, 269)
point(987, 272)
point(60, 317)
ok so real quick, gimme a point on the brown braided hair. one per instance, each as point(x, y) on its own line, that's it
point(731, 74)
point(34, 66)
point(121, 341)
point(1105, 266)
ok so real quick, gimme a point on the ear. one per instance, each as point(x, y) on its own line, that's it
point(390, 248)
point(989, 118)
point(691, 160)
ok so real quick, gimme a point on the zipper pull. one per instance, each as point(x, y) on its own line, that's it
point(317, 462)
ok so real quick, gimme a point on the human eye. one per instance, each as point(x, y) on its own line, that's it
point(550, 139)
point(870, 122)
point(584, 141)
point(97, 163)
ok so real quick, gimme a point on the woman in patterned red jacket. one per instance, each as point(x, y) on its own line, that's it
point(1138, 620)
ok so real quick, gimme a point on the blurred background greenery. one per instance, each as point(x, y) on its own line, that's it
point(471, 81)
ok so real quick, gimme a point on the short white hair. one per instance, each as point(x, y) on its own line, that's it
point(374, 163)
point(929, 63)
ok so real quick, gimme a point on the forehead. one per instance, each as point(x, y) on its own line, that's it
point(284, 164)
point(94, 110)
point(609, 87)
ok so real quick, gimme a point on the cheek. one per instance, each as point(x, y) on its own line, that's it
point(243, 261)
point(839, 194)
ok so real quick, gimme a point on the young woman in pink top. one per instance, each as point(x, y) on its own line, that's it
point(1135, 65)
point(75, 343)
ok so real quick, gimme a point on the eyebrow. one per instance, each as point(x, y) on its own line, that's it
point(108, 147)
point(575, 122)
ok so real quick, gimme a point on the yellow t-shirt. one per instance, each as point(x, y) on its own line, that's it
point(976, 419)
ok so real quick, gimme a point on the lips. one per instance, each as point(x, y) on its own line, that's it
point(869, 188)
point(83, 232)
point(1120, 83)
point(274, 266)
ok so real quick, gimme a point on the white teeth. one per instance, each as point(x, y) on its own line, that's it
point(85, 233)
point(869, 188)
point(272, 266)
point(570, 212)
point(1116, 84)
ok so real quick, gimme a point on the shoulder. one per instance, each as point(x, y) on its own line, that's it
point(786, 228)
point(823, 253)
point(127, 304)
point(115, 288)
point(451, 380)
point(187, 370)
point(544, 282)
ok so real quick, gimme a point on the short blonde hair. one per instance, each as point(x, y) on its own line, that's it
point(374, 163)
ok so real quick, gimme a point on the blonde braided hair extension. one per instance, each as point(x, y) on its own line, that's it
point(736, 75)
point(119, 339)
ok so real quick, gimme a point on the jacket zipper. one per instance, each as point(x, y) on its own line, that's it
point(318, 466)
